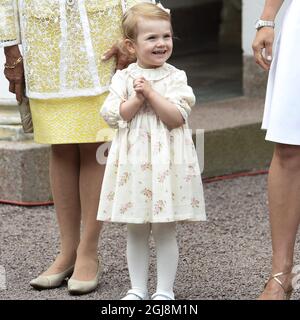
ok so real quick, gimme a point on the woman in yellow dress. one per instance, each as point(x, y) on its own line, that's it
point(65, 48)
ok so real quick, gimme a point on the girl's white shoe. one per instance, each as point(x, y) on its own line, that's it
point(135, 294)
point(163, 295)
point(51, 281)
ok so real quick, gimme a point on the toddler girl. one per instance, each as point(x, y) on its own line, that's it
point(152, 177)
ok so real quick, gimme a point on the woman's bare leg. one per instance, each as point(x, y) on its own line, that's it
point(284, 207)
point(64, 178)
point(90, 182)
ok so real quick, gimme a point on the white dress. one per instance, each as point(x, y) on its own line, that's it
point(282, 107)
point(152, 173)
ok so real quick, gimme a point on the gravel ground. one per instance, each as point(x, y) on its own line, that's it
point(225, 258)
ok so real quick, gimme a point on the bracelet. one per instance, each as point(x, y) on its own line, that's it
point(12, 66)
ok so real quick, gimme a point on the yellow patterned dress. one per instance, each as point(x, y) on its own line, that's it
point(63, 42)
point(71, 120)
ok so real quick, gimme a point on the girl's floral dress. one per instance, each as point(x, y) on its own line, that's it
point(152, 173)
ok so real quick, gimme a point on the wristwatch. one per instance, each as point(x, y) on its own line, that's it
point(264, 23)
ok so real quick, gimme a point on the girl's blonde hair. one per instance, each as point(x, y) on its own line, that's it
point(141, 10)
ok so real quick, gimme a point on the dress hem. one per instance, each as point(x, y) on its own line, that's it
point(70, 142)
point(282, 141)
point(141, 221)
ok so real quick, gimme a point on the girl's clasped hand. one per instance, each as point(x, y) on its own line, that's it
point(142, 86)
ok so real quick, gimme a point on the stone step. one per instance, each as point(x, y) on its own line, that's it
point(13, 133)
point(233, 139)
point(233, 142)
point(10, 127)
point(24, 172)
point(9, 113)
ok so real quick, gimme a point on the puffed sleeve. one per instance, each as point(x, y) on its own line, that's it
point(180, 93)
point(9, 23)
point(110, 110)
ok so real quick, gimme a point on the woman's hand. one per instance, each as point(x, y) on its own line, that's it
point(123, 58)
point(15, 76)
point(143, 87)
point(264, 40)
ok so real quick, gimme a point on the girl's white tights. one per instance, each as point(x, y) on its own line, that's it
point(164, 235)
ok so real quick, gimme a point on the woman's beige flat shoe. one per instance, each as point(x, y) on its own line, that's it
point(51, 281)
point(77, 287)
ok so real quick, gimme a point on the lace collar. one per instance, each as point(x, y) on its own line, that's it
point(135, 71)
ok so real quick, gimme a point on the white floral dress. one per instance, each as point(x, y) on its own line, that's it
point(152, 173)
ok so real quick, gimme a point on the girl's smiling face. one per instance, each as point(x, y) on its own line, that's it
point(154, 43)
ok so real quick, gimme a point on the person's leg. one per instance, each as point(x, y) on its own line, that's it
point(64, 178)
point(167, 259)
point(284, 207)
point(138, 259)
point(90, 182)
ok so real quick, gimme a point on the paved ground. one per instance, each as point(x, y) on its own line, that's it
point(224, 258)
